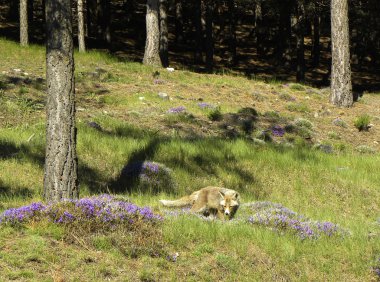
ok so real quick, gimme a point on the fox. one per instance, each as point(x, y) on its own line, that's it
point(213, 201)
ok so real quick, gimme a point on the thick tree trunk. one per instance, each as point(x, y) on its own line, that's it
point(81, 29)
point(164, 40)
point(24, 37)
point(300, 40)
point(209, 35)
point(152, 43)
point(60, 179)
point(341, 87)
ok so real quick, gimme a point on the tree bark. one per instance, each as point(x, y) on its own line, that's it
point(232, 32)
point(60, 179)
point(341, 87)
point(258, 27)
point(316, 38)
point(198, 32)
point(300, 40)
point(164, 40)
point(24, 37)
point(178, 21)
point(152, 43)
point(81, 29)
point(209, 35)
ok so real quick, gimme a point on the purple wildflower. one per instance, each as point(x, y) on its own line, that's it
point(278, 131)
point(204, 105)
point(279, 217)
point(177, 110)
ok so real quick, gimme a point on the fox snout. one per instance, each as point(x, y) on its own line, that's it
point(227, 212)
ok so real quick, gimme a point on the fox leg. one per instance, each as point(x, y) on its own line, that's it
point(220, 215)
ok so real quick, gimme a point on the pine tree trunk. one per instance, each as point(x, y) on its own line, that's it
point(60, 179)
point(152, 43)
point(81, 29)
point(198, 32)
point(24, 38)
point(232, 32)
point(260, 29)
point(316, 38)
point(300, 40)
point(209, 36)
point(164, 40)
point(178, 21)
point(341, 87)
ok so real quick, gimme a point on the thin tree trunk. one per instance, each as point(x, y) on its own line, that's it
point(152, 43)
point(178, 21)
point(316, 38)
point(341, 87)
point(198, 32)
point(81, 29)
point(232, 32)
point(209, 36)
point(259, 28)
point(60, 179)
point(300, 31)
point(164, 40)
point(24, 37)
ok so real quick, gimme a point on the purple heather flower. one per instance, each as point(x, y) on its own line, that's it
point(204, 105)
point(279, 217)
point(278, 131)
point(177, 110)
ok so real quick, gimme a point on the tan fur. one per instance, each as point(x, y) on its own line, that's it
point(216, 201)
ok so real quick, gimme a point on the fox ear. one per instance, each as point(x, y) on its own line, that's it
point(236, 195)
point(221, 193)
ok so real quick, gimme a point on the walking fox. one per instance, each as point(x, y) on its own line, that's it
point(215, 201)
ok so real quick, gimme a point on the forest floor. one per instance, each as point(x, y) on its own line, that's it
point(272, 141)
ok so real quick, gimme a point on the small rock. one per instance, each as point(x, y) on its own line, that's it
point(316, 115)
point(141, 98)
point(375, 142)
point(170, 69)
point(307, 97)
point(80, 109)
point(93, 124)
point(17, 70)
point(25, 73)
point(163, 95)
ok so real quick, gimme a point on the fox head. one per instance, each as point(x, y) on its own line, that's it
point(230, 203)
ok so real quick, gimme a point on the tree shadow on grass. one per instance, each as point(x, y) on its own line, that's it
point(127, 182)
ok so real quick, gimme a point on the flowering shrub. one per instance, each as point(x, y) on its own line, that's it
point(103, 210)
point(281, 218)
point(177, 110)
point(131, 229)
point(278, 131)
point(204, 105)
point(151, 176)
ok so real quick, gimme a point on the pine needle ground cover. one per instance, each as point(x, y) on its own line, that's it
point(305, 162)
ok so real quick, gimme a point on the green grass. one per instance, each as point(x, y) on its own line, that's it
point(342, 188)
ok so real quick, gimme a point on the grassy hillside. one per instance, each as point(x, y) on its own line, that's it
point(273, 142)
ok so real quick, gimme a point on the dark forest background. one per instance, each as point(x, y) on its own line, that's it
point(270, 39)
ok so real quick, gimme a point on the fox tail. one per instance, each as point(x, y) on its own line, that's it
point(185, 201)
